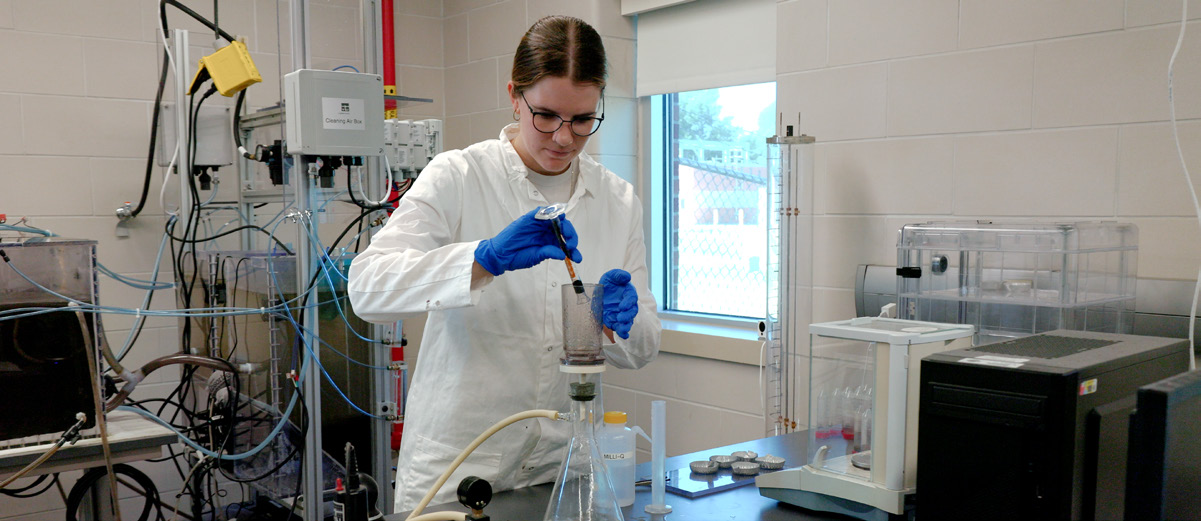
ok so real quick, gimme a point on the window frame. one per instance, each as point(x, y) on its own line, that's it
point(657, 164)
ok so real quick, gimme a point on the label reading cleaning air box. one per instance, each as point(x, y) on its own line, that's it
point(343, 114)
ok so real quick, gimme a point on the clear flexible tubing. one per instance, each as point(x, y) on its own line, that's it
point(228, 457)
point(71, 433)
point(330, 379)
point(129, 281)
point(312, 356)
point(441, 516)
point(92, 308)
point(106, 349)
point(89, 308)
point(429, 496)
point(250, 453)
point(387, 183)
point(347, 357)
point(1192, 362)
point(137, 323)
point(323, 264)
point(324, 267)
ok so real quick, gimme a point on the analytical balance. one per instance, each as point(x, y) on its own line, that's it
point(863, 400)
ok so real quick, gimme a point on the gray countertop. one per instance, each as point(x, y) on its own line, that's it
point(741, 503)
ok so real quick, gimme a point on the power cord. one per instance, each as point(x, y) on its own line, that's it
point(93, 476)
point(1192, 362)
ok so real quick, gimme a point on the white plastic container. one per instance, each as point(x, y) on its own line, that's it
point(616, 443)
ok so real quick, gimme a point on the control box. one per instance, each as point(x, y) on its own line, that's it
point(214, 140)
point(331, 113)
point(410, 145)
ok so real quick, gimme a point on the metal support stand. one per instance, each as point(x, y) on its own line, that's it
point(98, 505)
point(383, 389)
point(312, 471)
point(299, 190)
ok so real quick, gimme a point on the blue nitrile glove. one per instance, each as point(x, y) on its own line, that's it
point(621, 301)
point(526, 242)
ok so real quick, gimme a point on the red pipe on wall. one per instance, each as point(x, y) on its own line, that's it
point(389, 38)
point(389, 58)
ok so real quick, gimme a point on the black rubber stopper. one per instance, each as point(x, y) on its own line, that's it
point(582, 392)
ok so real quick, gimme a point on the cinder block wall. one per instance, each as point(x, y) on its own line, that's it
point(990, 109)
point(479, 38)
point(75, 109)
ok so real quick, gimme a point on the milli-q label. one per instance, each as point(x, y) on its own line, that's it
point(619, 456)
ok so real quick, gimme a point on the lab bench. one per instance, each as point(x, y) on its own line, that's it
point(736, 504)
point(131, 438)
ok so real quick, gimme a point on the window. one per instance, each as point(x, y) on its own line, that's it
point(710, 159)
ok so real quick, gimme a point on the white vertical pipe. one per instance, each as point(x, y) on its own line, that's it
point(183, 164)
point(658, 451)
point(898, 379)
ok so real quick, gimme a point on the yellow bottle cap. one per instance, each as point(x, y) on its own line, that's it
point(615, 417)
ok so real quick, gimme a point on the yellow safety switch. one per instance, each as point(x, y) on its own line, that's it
point(230, 68)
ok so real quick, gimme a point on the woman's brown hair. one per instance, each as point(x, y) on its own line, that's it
point(559, 46)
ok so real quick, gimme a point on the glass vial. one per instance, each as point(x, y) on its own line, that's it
point(582, 325)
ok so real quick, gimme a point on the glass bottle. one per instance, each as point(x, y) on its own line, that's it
point(583, 491)
point(849, 399)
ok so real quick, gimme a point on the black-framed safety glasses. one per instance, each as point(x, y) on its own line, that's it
point(549, 122)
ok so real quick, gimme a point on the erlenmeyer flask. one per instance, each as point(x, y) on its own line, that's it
point(583, 491)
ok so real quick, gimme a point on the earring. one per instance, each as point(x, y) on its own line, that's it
point(516, 117)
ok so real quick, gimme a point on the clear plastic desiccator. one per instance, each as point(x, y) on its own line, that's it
point(863, 397)
point(1017, 279)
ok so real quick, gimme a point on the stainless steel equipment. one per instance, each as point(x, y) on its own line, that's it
point(44, 372)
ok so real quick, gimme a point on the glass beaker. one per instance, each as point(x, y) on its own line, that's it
point(582, 325)
point(584, 491)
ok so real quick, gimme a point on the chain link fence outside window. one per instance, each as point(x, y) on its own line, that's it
point(719, 244)
point(717, 202)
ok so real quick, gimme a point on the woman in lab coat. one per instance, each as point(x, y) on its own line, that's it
point(464, 247)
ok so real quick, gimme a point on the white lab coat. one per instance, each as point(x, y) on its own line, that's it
point(494, 350)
